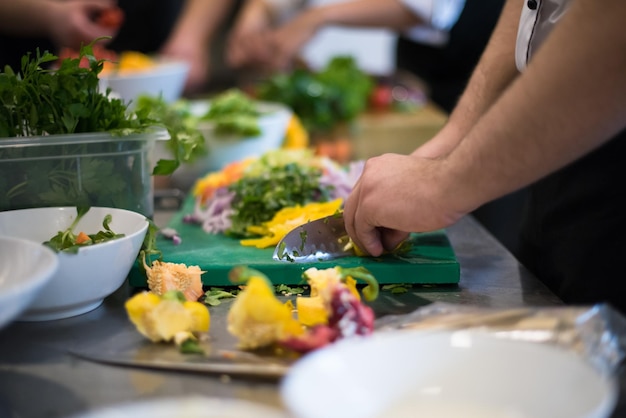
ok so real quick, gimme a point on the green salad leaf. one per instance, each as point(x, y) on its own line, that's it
point(67, 240)
point(322, 100)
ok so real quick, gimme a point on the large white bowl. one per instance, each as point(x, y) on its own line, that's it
point(445, 374)
point(166, 79)
point(25, 268)
point(82, 280)
point(223, 150)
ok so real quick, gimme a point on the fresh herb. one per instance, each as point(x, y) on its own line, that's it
point(191, 346)
point(113, 172)
point(186, 142)
point(67, 241)
point(214, 295)
point(258, 198)
point(322, 100)
point(285, 290)
point(41, 101)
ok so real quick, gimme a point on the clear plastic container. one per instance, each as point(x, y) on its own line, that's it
point(95, 169)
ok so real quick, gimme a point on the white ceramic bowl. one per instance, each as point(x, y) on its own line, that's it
point(445, 374)
point(25, 268)
point(82, 280)
point(188, 407)
point(167, 79)
point(223, 150)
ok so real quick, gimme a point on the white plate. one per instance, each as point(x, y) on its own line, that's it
point(25, 268)
point(447, 374)
point(191, 407)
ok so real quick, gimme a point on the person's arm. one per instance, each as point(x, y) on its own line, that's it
point(246, 44)
point(492, 75)
point(569, 100)
point(191, 37)
point(67, 23)
point(287, 40)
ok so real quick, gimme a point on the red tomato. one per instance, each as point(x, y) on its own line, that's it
point(381, 97)
point(111, 18)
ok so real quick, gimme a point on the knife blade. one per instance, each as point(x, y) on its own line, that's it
point(129, 349)
point(318, 240)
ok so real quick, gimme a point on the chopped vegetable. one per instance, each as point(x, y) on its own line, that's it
point(164, 277)
point(257, 318)
point(168, 317)
point(214, 296)
point(334, 310)
point(68, 242)
point(286, 219)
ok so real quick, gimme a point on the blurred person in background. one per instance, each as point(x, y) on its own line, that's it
point(172, 28)
point(439, 41)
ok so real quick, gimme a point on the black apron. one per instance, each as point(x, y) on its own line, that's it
point(574, 233)
point(446, 69)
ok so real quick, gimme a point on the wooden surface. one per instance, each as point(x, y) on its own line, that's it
point(377, 133)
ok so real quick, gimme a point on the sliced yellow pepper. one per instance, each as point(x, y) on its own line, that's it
point(287, 219)
point(257, 318)
point(162, 318)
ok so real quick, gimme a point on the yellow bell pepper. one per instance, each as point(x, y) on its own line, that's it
point(257, 318)
point(168, 317)
point(314, 310)
point(296, 136)
point(286, 219)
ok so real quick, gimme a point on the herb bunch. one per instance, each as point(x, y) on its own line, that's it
point(64, 100)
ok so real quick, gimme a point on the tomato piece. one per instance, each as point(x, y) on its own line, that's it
point(111, 18)
point(381, 97)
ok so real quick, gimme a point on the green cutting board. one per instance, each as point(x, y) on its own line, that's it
point(431, 259)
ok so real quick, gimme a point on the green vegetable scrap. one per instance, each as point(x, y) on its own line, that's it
point(322, 100)
point(67, 241)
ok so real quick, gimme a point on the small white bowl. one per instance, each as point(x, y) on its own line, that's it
point(25, 268)
point(82, 280)
point(167, 79)
point(223, 150)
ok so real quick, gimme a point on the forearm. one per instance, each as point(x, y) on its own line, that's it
point(569, 100)
point(25, 17)
point(494, 72)
point(391, 14)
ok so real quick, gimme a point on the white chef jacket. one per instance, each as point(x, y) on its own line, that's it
point(439, 16)
point(535, 25)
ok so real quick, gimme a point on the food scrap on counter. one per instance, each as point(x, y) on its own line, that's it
point(257, 317)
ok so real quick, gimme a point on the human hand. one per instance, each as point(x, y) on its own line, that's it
point(396, 195)
point(286, 41)
point(72, 23)
point(247, 43)
point(197, 55)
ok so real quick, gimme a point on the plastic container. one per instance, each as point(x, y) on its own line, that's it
point(95, 169)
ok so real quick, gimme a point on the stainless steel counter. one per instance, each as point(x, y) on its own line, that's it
point(39, 378)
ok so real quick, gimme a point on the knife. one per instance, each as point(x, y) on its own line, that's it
point(319, 240)
point(129, 349)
